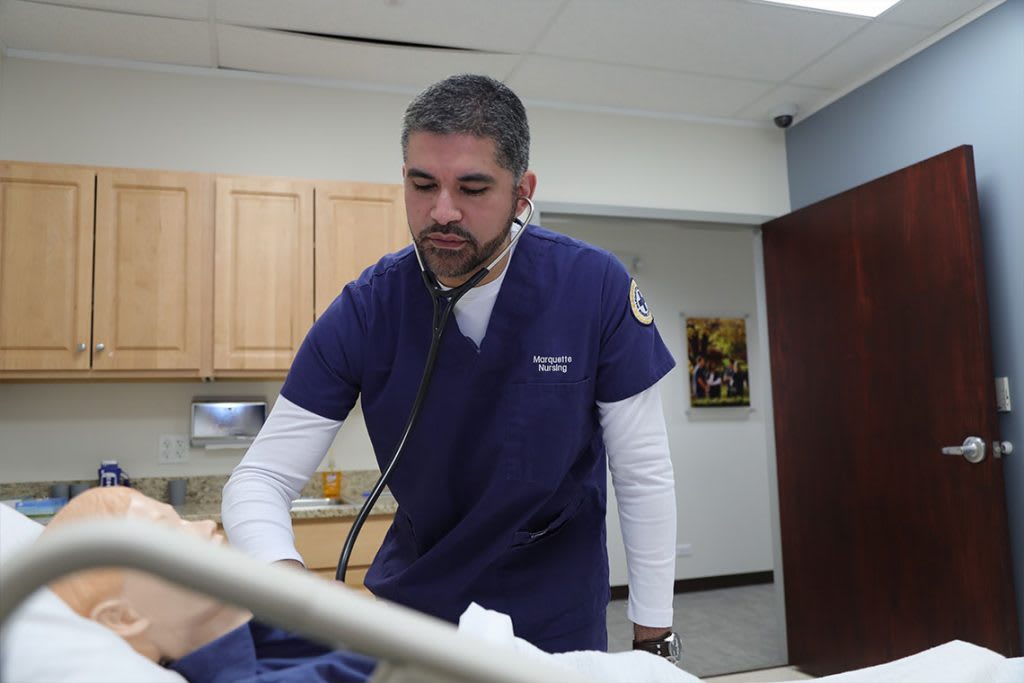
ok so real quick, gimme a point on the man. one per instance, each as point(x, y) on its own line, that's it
point(552, 362)
point(699, 379)
point(204, 640)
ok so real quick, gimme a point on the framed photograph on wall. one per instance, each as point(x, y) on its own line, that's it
point(716, 349)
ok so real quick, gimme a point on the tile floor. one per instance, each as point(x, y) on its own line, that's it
point(722, 631)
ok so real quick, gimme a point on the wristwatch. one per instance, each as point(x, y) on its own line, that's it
point(667, 646)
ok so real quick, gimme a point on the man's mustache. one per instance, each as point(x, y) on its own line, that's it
point(449, 229)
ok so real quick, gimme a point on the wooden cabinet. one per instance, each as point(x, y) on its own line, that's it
point(153, 271)
point(263, 274)
point(46, 232)
point(356, 224)
point(125, 293)
point(108, 273)
point(319, 541)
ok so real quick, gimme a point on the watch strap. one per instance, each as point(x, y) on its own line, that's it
point(666, 646)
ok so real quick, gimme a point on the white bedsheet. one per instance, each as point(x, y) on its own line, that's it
point(952, 662)
point(599, 667)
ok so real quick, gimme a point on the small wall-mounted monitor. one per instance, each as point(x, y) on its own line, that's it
point(226, 422)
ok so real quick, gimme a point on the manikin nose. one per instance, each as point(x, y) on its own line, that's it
point(204, 528)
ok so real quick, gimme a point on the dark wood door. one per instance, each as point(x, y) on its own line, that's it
point(879, 341)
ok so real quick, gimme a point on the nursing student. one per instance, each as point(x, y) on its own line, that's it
point(546, 377)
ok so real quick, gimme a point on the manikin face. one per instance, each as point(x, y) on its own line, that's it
point(177, 617)
point(460, 203)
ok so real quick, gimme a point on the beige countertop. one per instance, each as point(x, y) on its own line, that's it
point(204, 495)
point(385, 505)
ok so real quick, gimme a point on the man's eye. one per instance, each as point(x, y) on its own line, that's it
point(474, 191)
point(424, 187)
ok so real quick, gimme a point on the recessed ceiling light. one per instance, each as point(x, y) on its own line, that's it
point(860, 8)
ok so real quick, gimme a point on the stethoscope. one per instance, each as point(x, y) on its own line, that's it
point(444, 301)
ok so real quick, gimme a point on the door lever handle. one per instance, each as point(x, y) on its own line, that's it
point(973, 450)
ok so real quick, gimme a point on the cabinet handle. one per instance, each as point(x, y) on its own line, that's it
point(82, 346)
point(101, 346)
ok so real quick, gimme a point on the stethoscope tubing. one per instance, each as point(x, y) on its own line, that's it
point(444, 303)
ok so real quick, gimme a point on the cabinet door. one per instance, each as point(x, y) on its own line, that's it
point(46, 237)
point(153, 266)
point(319, 541)
point(356, 224)
point(263, 277)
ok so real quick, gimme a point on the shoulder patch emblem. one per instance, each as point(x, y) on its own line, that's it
point(636, 302)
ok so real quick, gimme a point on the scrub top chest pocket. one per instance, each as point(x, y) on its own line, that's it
point(549, 425)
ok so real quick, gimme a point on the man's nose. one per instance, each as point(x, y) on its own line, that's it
point(444, 210)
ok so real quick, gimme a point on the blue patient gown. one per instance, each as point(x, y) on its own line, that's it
point(257, 653)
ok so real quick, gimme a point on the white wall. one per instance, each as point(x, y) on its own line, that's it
point(61, 431)
point(2, 58)
point(719, 455)
point(70, 113)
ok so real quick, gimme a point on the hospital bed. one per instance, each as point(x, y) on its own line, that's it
point(44, 630)
point(45, 641)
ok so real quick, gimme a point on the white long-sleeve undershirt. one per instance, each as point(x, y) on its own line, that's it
point(293, 442)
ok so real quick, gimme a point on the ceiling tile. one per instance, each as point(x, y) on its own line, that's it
point(707, 59)
point(177, 9)
point(647, 90)
point(931, 14)
point(398, 67)
point(714, 37)
point(874, 47)
point(493, 25)
point(92, 33)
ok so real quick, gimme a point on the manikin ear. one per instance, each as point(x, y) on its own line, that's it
point(120, 617)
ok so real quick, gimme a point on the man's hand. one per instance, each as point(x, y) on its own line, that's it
point(290, 563)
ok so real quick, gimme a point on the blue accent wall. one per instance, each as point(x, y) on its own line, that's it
point(965, 89)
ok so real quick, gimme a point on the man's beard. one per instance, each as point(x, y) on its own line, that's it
point(454, 263)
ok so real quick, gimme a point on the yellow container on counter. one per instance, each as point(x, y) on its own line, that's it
point(331, 480)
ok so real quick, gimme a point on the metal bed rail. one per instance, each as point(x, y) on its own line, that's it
point(410, 646)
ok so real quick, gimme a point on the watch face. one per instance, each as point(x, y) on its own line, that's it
point(673, 646)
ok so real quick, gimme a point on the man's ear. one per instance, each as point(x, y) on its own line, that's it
point(120, 617)
point(527, 185)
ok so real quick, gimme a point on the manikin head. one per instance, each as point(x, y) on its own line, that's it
point(465, 147)
point(157, 618)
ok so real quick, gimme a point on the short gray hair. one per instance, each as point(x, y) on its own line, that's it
point(474, 105)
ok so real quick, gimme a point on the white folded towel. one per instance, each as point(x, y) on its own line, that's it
point(620, 667)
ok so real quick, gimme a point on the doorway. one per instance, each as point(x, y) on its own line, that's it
point(720, 454)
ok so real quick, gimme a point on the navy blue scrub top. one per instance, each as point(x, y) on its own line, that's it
point(501, 492)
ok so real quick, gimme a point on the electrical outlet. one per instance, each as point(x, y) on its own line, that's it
point(173, 449)
point(684, 550)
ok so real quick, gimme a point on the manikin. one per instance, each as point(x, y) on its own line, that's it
point(204, 640)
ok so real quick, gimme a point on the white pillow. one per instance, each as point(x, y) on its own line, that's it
point(45, 641)
point(16, 531)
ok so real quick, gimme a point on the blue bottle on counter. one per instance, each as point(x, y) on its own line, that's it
point(111, 474)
